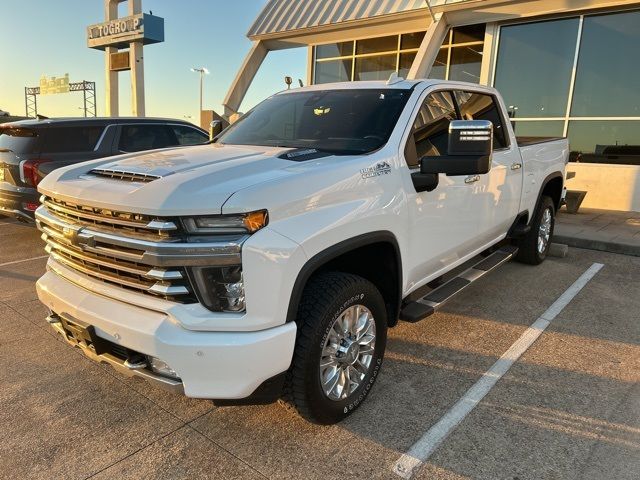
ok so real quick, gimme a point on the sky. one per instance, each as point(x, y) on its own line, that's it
point(49, 37)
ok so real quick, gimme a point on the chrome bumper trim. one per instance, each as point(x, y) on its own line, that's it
point(16, 214)
point(119, 365)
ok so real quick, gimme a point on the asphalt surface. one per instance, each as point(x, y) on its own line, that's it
point(569, 408)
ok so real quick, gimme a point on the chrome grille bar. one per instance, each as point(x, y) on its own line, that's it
point(120, 257)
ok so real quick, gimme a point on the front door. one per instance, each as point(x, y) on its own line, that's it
point(443, 223)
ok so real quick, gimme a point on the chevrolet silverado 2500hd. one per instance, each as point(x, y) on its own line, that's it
point(271, 262)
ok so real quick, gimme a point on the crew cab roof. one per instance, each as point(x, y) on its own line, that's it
point(401, 84)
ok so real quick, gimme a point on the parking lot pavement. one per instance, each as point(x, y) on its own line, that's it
point(568, 408)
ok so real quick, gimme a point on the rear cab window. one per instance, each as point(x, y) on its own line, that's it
point(480, 106)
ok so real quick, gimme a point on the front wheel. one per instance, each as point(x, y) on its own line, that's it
point(342, 334)
point(534, 247)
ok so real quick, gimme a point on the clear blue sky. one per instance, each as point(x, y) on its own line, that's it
point(49, 37)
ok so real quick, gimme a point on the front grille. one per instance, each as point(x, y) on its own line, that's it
point(124, 175)
point(70, 231)
point(131, 224)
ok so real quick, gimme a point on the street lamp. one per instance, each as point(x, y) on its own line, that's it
point(202, 71)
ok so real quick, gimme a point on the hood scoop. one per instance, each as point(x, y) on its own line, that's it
point(130, 175)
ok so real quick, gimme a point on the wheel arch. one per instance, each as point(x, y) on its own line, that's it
point(551, 187)
point(384, 269)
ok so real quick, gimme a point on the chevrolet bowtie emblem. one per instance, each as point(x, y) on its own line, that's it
point(77, 237)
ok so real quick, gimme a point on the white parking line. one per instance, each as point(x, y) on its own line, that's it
point(423, 448)
point(21, 261)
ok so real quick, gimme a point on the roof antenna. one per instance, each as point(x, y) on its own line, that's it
point(394, 78)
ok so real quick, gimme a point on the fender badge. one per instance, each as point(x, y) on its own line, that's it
point(380, 168)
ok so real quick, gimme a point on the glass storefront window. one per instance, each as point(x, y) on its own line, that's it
point(378, 67)
point(545, 128)
point(332, 50)
point(411, 40)
point(333, 71)
point(465, 64)
point(612, 141)
point(608, 73)
point(406, 60)
point(379, 44)
point(470, 33)
point(439, 68)
point(534, 66)
point(460, 57)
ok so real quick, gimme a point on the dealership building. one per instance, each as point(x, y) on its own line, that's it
point(564, 67)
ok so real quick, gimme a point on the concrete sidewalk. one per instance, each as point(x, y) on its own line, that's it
point(605, 230)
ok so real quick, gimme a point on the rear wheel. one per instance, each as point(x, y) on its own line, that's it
point(342, 333)
point(534, 247)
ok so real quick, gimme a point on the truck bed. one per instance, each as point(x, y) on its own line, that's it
point(526, 141)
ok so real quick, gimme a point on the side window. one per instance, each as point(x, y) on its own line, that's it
point(135, 138)
point(189, 136)
point(70, 139)
point(477, 106)
point(430, 134)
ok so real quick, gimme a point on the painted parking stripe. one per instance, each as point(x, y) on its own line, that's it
point(22, 261)
point(423, 448)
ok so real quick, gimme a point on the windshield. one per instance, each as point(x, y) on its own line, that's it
point(344, 122)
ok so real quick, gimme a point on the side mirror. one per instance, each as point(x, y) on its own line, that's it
point(215, 128)
point(470, 150)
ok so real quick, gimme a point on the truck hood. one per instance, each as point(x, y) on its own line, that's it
point(179, 181)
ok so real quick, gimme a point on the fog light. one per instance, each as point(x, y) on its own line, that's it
point(220, 289)
point(162, 368)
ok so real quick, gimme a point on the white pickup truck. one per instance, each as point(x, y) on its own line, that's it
point(270, 263)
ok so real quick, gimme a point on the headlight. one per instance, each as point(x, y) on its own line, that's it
point(227, 224)
point(220, 289)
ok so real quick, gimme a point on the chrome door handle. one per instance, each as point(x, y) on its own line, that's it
point(472, 179)
point(516, 166)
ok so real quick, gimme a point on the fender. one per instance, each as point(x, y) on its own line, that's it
point(334, 251)
point(542, 187)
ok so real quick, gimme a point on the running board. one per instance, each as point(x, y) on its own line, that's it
point(430, 303)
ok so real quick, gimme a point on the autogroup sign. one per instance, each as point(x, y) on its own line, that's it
point(121, 25)
point(141, 27)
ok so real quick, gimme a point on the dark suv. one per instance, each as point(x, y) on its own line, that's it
point(30, 149)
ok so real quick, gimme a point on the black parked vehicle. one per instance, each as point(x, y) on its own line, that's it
point(30, 149)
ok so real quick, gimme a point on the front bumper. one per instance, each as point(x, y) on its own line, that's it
point(13, 200)
point(216, 365)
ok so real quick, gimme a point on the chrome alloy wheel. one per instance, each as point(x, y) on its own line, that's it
point(544, 232)
point(347, 352)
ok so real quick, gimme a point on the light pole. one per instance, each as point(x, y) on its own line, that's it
point(202, 71)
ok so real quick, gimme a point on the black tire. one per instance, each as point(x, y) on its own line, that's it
point(528, 247)
point(324, 299)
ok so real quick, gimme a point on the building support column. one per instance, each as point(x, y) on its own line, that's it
point(137, 79)
point(243, 79)
point(429, 48)
point(111, 78)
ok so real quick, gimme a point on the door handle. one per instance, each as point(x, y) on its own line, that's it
point(472, 179)
point(516, 166)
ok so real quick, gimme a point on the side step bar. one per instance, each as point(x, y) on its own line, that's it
point(430, 303)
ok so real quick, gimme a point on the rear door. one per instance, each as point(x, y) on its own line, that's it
point(496, 195)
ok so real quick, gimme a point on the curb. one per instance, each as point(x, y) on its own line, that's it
point(600, 245)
